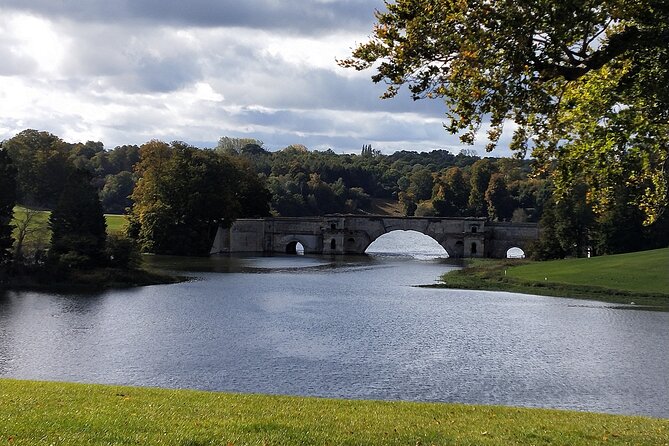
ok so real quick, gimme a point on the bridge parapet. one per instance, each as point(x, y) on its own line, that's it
point(352, 234)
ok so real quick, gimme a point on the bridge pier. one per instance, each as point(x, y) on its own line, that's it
point(352, 234)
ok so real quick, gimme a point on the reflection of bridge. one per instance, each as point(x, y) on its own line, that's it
point(352, 234)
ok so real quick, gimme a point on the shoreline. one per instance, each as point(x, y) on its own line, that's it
point(491, 275)
point(99, 279)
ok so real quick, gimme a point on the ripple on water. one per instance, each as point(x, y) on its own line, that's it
point(343, 327)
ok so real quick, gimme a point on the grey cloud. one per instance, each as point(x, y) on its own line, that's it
point(249, 77)
point(295, 16)
point(123, 57)
point(165, 75)
point(150, 62)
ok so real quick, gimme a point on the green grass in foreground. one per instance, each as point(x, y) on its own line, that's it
point(38, 413)
point(640, 277)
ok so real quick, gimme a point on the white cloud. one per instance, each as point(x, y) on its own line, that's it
point(122, 73)
point(34, 38)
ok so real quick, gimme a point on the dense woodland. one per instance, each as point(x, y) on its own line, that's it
point(176, 195)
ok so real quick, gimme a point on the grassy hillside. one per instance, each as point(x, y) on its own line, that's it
point(641, 277)
point(381, 206)
point(643, 272)
point(37, 413)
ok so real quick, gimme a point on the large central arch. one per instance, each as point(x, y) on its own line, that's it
point(406, 242)
point(458, 237)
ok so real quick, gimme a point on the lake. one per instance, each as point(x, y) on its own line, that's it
point(349, 327)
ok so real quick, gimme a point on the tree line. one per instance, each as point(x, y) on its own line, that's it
point(176, 195)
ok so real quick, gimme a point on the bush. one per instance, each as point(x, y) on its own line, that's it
point(74, 260)
point(122, 252)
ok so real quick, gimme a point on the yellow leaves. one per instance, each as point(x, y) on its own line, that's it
point(469, 54)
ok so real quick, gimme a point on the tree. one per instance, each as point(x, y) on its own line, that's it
point(251, 189)
point(183, 194)
point(7, 203)
point(367, 151)
point(115, 194)
point(583, 82)
point(566, 226)
point(451, 193)
point(42, 163)
point(78, 227)
point(408, 203)
point(497, 197)
point(322, 198)
point(421, 183)
point(548, 246)
point(620, 229)
point(30, 231)
point(234, 146)
point(481, 172)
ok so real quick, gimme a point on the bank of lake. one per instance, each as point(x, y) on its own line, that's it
point(43, 278)
point(640, 278)
point(89, 279)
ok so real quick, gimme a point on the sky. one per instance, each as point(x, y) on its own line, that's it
point(128, 71)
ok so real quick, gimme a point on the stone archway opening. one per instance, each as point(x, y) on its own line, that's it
point(406, 243)
point(295, 248)
point(515, 253)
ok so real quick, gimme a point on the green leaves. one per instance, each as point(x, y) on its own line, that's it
point(583, 82)
point(185, 193)
point(78, 228)
point(7, 202)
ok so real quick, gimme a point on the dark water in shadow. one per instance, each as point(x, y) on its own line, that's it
point(351, 328)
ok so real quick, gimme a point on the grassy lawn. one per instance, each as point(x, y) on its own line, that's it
point(643, 272)
point(640, 277)
point(39, 224)
point(116, 223)
point(38, 413)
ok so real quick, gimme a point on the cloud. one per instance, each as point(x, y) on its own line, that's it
point(125, 72)
point(293, 16)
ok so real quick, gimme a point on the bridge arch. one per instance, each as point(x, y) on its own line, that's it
point(409, 241)
point(295, 247)
point(515, 253)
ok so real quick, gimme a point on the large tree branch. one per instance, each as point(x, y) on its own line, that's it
point(618, 44)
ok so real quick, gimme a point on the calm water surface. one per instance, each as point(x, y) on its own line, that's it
point(351, 328)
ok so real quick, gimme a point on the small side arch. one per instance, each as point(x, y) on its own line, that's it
point(295, 247)
point(515, 252)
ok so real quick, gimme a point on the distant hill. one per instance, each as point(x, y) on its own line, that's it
point(381, 206)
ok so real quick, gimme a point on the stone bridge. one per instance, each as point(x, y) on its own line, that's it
point(352, 234)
